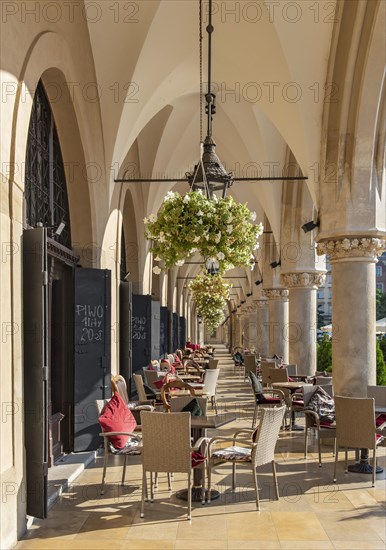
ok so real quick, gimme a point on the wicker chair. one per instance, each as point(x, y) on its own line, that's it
point(277, 375)
point(265, 367)
point(312, 422)
point(323, 380)
point(213, 363)
point(138, 381)
point(166, 447)
point(258, 448)
point(178, 403)
point(249, 365)
point(178, 384)
point(109, 448)
point(118, 384)
point(271, 398)
point(355, 427)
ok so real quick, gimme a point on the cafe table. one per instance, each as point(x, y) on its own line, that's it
point(291, 387)
point(364, 466)
point(199, 425)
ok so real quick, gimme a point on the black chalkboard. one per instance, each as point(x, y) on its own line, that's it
point(125, 332)
point(92, 347)
point(155, 329)
point(163, 339)
point(182, 332)
point(176, 330)
point(141, 331)
point(170, 332)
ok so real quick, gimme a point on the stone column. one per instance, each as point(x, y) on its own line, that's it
point(353, 311)
point(278, 322)
point(248, 327)
point(302, 324)
point(237, 330)
point(261, 307)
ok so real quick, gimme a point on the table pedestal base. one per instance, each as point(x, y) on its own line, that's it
point(364, 468)
point(196, 494)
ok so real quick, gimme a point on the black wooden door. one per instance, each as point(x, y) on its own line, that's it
point(182, 333)
point(35, 331)
point(155, 329)
point(176, 330)
point(92, 347)
point(163, 330)
point(141, 331)
point(125, 333)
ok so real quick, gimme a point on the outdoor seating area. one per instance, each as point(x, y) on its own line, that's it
point(299, 506)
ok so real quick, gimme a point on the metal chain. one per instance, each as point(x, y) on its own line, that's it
point(201, 84)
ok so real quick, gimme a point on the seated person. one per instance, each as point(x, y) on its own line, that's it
point(238, 358)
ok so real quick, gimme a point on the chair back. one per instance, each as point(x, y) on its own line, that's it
point(100, 405)
point(152, 376)
point(118, 385)
point(265, 367)
point(210, 381)
point(323, 380)
point(178, 403)
point(266, 435)
point(138, 381)
point(378, 393)
point(277, 375)
point(292, 370)
point(165, 391)
point(166, 442)
point(257, 386)
point(250, 363)
point(213, 363)
point(355, 422)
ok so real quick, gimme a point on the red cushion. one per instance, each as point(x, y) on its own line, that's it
point(160, 382)
point(380, 419)
point(272, 400)
point(197, 459)
point(150, 367)
point(116, 417)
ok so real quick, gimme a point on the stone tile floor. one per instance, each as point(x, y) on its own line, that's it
point(312, 512)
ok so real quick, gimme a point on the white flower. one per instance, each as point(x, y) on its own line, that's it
point(186, 199)
point(207, 236)
point(256, 246)
point(156, 270)
point(200, 213)
point(200, 221)
point(230, 218)
point(252, 266)
point(169, 195)
point(193, 250)
point(196, 239)
point(218, 237)
point(180, 263)
point(253, 216)
point(221, 255)
point(229, 228)
point(153, 218)
point(157, 259)
point(145, 221)
point(199, 191)
point(162, 237)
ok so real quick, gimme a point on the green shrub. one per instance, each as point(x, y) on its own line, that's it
point(382, 345)
point(381, 367)
point(324, 354)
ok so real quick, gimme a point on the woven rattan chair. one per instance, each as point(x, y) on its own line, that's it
point(213, 363)
point(118, 384)
point(277, 375)
point(266, 398)
point(253, 447)
point(109, 448)
point(142, 395)
point(323, 380)
point(312, 422)
point(355, 427)
point(249, 365)
point(178, 403)
point(177, 384)
point(210, 383)
point(166, 447)
point(265, 367)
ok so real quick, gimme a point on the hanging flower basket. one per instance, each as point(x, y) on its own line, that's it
point(218, 228)
point(210, 294)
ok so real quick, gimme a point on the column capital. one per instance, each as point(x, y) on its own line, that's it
point(276, 293)
point(260, 304)
point(303, 279)
point(349, 249)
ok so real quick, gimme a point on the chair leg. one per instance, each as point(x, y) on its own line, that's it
point(156, 480)
point(233, 477)
point(256, 485)
point(189, 496)
point(144, 492)
point(215, 404)
point(255, 415)
point(336, 460)
point(209, 476)
point(346, 460)
point(169, 481)
point(105, 459)
point(124, 471)
point(305, 440)
point(203, 486)
point(275, 480)
point(374, 465)
point(151, 487)
point(319, 450)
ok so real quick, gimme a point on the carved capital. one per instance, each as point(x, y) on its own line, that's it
point(352, 248)
point(303, 279)
point(260, 304)
point(276, 293)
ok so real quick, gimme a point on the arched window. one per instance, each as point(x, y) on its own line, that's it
point(45, 181)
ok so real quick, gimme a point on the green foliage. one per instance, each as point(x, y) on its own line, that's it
point(210, 293)
point(381, 304)
point(220, 229)
point(382, 345)
point(324, 354)
point(320, 318)
point(381, 366)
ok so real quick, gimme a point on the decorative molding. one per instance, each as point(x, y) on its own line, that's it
point(260, 304)
point(351, 248)
point(303, 279)
point(276, 293)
